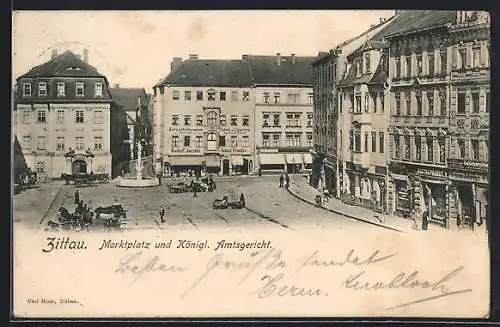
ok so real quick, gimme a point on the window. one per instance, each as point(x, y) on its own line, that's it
point(430, 59)
point(26, 116)
point(222, 96)
point(358, 69)
point(381, 142)
point(265, 140)
point(41, 116)
point(265, 120)
point(408, 66)
point(442, 105)
point(276, 120)
point(97, 143)
point(419, 104)
point(245, 141)
point(296, 120)
point(40, 166)
point(80, 90)
point(276, 139)
point(358, 104)
point(367, 63)
point(276, 97)
point(397, 146)
point(175, 95)
point(175, 120)
point(442, 152)
point(477, 57)
point(60, 143)
point(222, 140)
point(175, 141)
point(475, 102)
point(418, 148)
point(211, 95)
point(198, 141)
point(487, 104)
point(430, 102)
point(289, 140)
point(234, 96)
point(398, 73)
point(79, 145)
point(199, 120)
point(245, 120)
point(27, 142)
point(463, 57)
point(461, 103)
point(357, 141)
point(293, 98)
point(475, 149)
point(289, 120)
point(341, 100)
point(340, 138)
point(351, 139)
point(310, 97)
point(398, 105)
point(234, 120)
point(266, 97)
point(98, 116)
point(199, 95)
point(222, 120)
point(461, 148)
point(366, 142)
point(246, 95)
point(430, 149)
point(61, 89)
point(419, 68)
point(374, 141)
point(79, 116)
point(187, 140)
point(408, 104)
point(27, 90)
point(42, 89)
point(187, 120)
point(211, 142)
point(98, 89)
point(234, 140)
point(367, 102)
point(212, 118)
point(443, 57)
point(309, 120)
point(187, 95)
point(309, 139)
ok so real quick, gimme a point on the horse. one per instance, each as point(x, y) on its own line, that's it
point(115, 209)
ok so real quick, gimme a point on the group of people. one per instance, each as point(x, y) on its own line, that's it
point(285, 179)
point(83, 211)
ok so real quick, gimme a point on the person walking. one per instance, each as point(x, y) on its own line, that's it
point(195, 189)
point(281, 180)
point(287, 180)
point(425, 220)
point(77, 197)
point(162, 214)
point(242, 199)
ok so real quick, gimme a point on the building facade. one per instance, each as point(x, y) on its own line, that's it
point(205, 112)
point(283, 112)
point(63, 116)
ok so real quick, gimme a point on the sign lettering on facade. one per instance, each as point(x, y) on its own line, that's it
point(431, 172)
point(235, 130)
point(233, 150)
point(465, 164)
point(185, 129)
point(185, 150)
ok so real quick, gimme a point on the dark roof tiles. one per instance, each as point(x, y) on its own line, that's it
point(289, 71)
point(127, 97)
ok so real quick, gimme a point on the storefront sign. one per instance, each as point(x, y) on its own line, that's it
point(235, 130)
point(185, 129)
point(431, 173)
point(233, 150)
point(466, 164)
point(185, 150)
point(468, 176)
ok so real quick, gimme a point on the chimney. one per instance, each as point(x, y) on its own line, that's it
point(193, 56)
point(54, 54)
point(86, 55)
point(176, 62)
point(382, 19)
point(117, 86)
point(139, 101)
point(278, 58)
point(244, 57)
point(293, 58)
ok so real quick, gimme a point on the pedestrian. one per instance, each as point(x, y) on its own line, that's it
point(425, 220)
point(162, 214)
point(242, 199)
point(159, 179)
point(260, 172)
point(287, 180)
point(77, 197)
point(325, 194)
point(281, 180)
point(195, 188)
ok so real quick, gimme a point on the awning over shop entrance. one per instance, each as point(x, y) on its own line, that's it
point(272, 159)
point(293, 158)
point(212, 161)
point(186, 161)
point(237, 160)
point(308, 160)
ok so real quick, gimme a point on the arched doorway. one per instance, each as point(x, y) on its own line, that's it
point(79, 166)
point(225, 167)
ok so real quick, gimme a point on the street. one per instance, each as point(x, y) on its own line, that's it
point(267, 206)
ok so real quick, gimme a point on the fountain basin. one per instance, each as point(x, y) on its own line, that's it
point(134, 182)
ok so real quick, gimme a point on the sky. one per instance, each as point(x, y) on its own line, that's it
point(135, 48)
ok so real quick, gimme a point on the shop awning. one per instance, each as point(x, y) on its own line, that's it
point(186, 161)
point(308, 160)
point(272, 159)
point(293, 158)
point(212, 161)
point(237, 160)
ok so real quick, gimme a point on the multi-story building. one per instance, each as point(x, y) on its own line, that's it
point(65, 118)
point(329, 68)
point(469, 119)
point(420, 73)
point(283, 112)
point(203, 116)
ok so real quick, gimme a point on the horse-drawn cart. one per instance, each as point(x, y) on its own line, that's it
point(84, 178)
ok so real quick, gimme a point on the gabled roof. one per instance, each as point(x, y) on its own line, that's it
point(201, 72)
point(265, 70)
point(380, 75)
point(66, 64)
point(418, 20)
point(127, 97)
